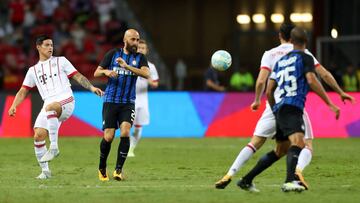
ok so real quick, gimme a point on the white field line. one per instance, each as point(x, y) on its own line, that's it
point(42, 186)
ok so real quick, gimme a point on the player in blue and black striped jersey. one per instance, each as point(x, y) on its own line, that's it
point(288, 86)
point(122, 66)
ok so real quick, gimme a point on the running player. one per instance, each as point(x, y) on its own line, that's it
point(266, 126)
point(292, 76)
point(122, 66)
point(142, 116)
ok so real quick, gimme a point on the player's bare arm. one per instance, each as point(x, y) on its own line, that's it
point(143, 71)
point(100, 71)
point(330, 80)
point(83, 81)
point(270, 92)
point(316, 86)
point(19, 98)
point(259, 88)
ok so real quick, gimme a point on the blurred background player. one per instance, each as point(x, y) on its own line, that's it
point(50, 76)
point(266, 126)
point(142, 116)
point(122, 66)
point(212, 82)
point(292, 76)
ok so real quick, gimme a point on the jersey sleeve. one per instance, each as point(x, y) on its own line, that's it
point(143, 61)
point(106, 61)
point(29, 81)
point(153, 72)
point(308, 63)
point(266, 62)
point(67, 67)
point(316, 62)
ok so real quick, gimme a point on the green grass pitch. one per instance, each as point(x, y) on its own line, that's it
point(173, 170)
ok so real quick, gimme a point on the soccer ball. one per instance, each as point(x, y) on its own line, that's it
point(221, 60)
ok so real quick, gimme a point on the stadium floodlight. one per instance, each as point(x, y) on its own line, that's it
point(243, 19)
point(258, 18)
point(306, 17)
point(334, 33)
point(277, 18)
point(295, 17)
point(301, 17)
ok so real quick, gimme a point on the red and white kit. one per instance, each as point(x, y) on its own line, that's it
point(142, 116)
point(51, 77)
point(266, 126)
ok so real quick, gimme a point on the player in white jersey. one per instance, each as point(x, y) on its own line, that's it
point(51, 77)
point(142, 116)
point(266, 126)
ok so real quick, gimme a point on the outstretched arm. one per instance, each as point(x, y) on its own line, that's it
point(270, 92)
point(315, 85)
point(330, 80)
point(19, 98)
point(83, 81)
point(259, 88)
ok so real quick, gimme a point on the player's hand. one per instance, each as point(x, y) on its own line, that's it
point(121, 62)
point(336, 110)
point(344, 96)
point(97, 91)
point(111, 74)
point(12, 111)
point(255, 105)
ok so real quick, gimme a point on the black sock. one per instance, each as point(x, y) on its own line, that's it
point(291, 162)
point(265, 161)
point(104, 153)
point(122, 152)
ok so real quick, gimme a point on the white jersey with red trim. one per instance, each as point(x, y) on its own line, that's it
point(142, 87)
point(271, 56)
point(51, 77)
point(266, 125)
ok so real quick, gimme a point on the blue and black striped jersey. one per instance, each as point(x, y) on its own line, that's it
point(289, 73)
point(122, 89)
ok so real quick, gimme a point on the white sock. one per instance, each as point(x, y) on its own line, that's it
point(304, 158)
point(244, 155)
point(53, 128)
point(40, 150)
point(134, 139)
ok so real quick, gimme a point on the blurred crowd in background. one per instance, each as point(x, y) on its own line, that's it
point(83, 30)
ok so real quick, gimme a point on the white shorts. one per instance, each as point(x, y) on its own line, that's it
point(142, 116)
point(67, 105)
point(266, 126)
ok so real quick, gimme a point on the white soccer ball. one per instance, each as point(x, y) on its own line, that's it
point(221, 60)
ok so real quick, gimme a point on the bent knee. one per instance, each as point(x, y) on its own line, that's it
point(40, 134)
point(109, 134)
point(257, 141)
point(125, 133)
point(55, 106)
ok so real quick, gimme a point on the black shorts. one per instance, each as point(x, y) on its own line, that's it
point(114, 114)
point(289, 120)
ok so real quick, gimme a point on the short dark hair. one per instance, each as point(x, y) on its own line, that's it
point(298, 36)
point(40, 39)
point(285, 30)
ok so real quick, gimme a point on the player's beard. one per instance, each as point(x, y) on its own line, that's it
point(131, 48)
